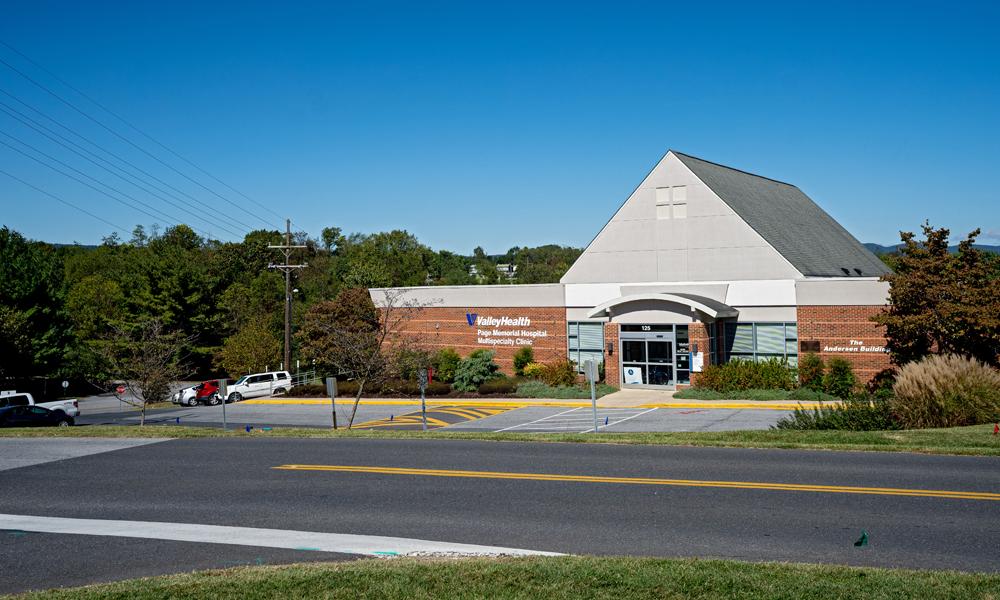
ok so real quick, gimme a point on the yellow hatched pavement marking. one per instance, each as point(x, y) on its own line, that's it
point(749, 485)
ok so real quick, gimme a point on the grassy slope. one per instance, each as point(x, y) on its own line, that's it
point(548, 578)
point(976, 440)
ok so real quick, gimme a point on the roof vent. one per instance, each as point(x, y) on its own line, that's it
point(846, 271)
point(858, 271)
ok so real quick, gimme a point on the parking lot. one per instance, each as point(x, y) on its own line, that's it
point(467, 415)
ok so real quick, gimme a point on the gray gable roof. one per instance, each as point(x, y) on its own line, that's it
point(801, 231)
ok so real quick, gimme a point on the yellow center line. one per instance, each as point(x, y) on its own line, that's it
point(749, 485)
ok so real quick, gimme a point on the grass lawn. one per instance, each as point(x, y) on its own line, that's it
point(799, 395)
point(550, 579)
point(975, 440)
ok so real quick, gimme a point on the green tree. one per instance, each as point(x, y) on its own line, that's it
point(942, 302)
point(252, 348)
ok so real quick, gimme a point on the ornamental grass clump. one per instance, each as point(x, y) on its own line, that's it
point(946, 391)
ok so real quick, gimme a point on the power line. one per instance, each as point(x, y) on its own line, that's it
point(65, 174)
point(133, 127)
point(125, 139)
point(83, 153)
point(67, 203)
point(118, 157)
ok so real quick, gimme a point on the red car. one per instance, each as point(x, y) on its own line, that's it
point(206, 392)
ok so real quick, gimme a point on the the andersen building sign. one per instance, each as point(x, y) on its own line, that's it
point(856, 346)
point(504, 330)
point(701, 260)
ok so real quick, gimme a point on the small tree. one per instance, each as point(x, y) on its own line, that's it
point(250, 349)
point(146, 360)
point(839, 380)
point(475, 370)
point(445, 362)
point(351, 336)
point(942, 302)
point(522, 357)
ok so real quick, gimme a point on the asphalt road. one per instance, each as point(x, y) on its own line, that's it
point(233, 482)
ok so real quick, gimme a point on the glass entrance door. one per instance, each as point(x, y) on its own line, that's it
point(647, 359)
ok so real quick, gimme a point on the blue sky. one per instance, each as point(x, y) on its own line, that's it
point(508, 123)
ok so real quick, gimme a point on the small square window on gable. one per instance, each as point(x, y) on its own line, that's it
point(663, 203)
point(680, 201)
point(671, 202)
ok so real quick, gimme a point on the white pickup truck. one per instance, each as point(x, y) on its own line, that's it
point(11, 398)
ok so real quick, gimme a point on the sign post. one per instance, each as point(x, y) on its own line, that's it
point(223, 395)
point(331, 391)
point(422, 375)
point(590, 368)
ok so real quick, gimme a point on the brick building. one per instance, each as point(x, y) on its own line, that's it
point(701, 264)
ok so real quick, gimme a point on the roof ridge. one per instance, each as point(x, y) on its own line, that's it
point(733, 169)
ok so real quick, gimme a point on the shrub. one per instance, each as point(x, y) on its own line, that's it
point(811, 369)
point(946, 391)
point(473, 371)
point(500, 385)
point(522, 358)
point(558, 373)
point(745, 375)
point(410, 361)
point(839, 380)
point(854, 414)
point(309, 390)
point(881, 384)
point(444, 362)
point(533, 370)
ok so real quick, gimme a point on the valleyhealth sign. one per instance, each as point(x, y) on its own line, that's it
point(504, 330)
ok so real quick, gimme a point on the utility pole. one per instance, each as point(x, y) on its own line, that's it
point(287, 268)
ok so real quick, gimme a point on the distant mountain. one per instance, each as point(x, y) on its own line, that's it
point(880, 249)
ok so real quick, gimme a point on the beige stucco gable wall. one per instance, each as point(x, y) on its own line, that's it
point(713, 243)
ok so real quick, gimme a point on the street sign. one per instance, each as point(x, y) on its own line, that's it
point(224, 395)
point(120, 389)
point(65, 385)
point(331, 391)
point(422, 377)
point(590, 368)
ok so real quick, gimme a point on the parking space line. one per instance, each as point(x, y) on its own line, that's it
point(537, 420)
point(621, 420)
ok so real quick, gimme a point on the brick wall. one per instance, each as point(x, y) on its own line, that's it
point(612, 374)
point(837, 326)
point(440, 327)
point(698, 333)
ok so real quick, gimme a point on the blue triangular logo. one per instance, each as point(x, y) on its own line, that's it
point(471, 318)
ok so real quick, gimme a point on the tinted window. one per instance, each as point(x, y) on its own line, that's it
point(19, 400)
point(37, 410)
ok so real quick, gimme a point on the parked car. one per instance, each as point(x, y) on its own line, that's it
point(70, 408)
point(273, 383)
point(203, 393)
point(208, 392)
point(186, 396)
point(33, 416)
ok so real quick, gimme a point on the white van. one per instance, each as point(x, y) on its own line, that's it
point(273, 383)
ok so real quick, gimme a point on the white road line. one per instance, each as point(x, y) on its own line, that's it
point(537, 420)
point(371, 545)
point(619, 421)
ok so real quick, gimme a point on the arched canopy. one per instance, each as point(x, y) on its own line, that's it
point(712, 309)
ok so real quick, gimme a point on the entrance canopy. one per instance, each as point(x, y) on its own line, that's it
point(708, 308)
